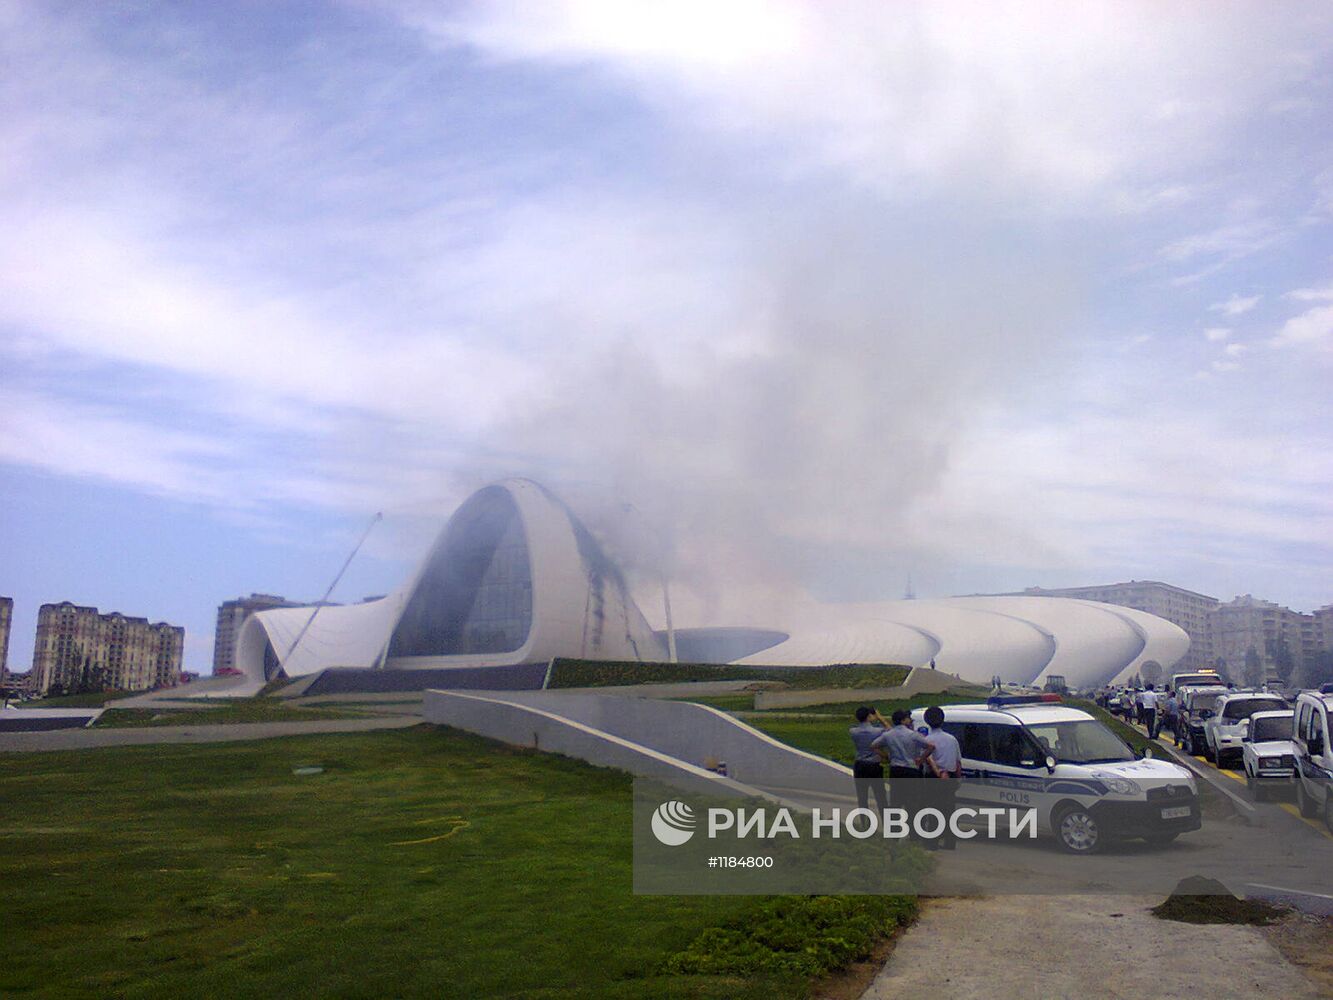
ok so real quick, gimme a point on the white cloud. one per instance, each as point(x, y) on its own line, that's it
point(1236, 305)
point(1053, 99)
point(1227, 242)
point(1312, 294)
point(1314, 327)
point(1216, 333)
point(93, 285)
point(1234, 350)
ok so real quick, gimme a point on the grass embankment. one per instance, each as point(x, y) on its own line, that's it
point(600, 673)
point(1126, 732)
point(822, 729)
point(95, 699)
point(222, 711)
point(419, 863)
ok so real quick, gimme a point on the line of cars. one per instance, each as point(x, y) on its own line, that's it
point(1282, 746)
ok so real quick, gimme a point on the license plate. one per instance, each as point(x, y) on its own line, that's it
point(1178, 812)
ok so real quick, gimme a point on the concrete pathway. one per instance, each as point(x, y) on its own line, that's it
point(1079, 947)
point(87, 739)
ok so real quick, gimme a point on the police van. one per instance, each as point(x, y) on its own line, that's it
point(1313, 737)
point(1086, 785)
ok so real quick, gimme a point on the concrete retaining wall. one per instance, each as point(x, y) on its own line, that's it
point(661, 739)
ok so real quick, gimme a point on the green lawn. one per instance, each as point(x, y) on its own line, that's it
point(222, 711)
point(822, 729)
point(420, 863)
point(1126, 732)
point(567, 673)
point(91, 700)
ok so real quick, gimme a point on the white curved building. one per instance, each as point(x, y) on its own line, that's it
point(515, 578)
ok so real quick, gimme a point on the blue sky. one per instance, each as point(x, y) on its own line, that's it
point(992, 295)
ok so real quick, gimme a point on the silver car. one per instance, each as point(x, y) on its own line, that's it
point(1226, 728)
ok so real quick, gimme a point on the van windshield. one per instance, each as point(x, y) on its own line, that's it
point(1081, 742)
point(1180, 680)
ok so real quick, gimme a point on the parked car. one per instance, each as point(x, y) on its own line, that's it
point(1314, 756)
point(1225, 729)
point(1268, 752)
point(1197, 705)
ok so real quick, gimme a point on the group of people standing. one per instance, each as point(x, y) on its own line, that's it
point(924, 769)
point(1155, 711)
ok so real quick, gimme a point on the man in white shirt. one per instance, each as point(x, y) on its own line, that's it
point(1148, 716)
point(946, 764)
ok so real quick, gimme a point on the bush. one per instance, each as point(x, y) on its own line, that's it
point(795, 936)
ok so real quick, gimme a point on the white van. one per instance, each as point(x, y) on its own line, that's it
point(1314, 756)
point(1199, 679)
point(1087, 785)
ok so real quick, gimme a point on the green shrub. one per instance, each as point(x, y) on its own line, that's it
point(802, 936)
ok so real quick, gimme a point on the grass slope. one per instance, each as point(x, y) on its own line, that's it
point(95, 699)
point(822, 729)
point(221, 711)
point(612, 673)
point(419, 863)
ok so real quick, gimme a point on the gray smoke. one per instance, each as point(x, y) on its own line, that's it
point(876, 341)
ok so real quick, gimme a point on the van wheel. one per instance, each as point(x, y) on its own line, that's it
point(1077, 832)
point(1208, 750)
point(1303, 802)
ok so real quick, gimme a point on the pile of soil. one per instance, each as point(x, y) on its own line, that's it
point(1199, 900)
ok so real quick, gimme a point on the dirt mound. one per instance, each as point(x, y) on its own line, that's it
point(1199, 900)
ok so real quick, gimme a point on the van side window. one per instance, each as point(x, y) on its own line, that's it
point(1311, 729)
point(972, 740)
point(1012, 747)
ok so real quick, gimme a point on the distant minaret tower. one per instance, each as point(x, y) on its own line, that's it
point(909, 594)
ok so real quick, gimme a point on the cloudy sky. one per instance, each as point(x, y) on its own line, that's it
point(830, 293)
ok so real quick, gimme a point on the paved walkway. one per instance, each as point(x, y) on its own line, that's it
point(1081, 947)
point(87, 739)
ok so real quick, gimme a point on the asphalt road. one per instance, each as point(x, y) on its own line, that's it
point(1277, 804)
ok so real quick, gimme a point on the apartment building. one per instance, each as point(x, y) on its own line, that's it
point(78, 648)
point(1282, 640)
point(231, 616)
point(6, 619)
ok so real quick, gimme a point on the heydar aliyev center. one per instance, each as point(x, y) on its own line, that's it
point(515, 578)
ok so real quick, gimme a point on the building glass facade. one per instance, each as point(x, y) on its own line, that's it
point(475, 595)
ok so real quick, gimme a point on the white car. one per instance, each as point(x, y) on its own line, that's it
point(1314, 755)
point(1226, 728)
point(1087, 785)
point(1268, 753)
